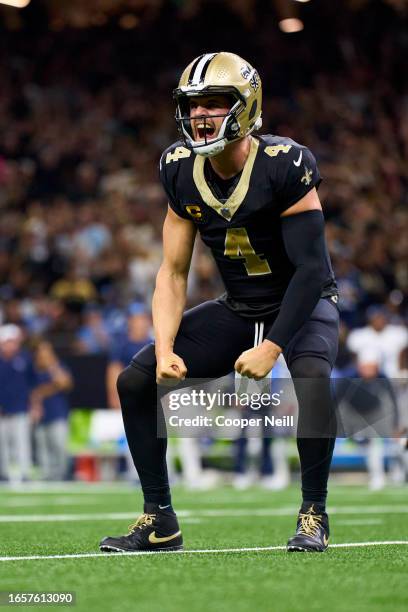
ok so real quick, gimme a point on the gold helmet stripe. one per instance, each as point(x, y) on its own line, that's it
point(201, 69)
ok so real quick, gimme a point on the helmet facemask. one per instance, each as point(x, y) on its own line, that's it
point(220, 73)
point(229, 130)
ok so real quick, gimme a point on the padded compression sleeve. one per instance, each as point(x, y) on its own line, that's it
point(303, 236)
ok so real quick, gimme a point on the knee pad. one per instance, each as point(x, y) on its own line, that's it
point(134, 382)
point(310, 367)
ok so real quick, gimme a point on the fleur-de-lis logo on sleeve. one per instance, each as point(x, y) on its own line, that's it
point(307, 177)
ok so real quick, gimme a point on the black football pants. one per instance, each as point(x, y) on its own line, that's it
point(210, 339)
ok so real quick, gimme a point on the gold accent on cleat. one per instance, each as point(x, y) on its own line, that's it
point(153, 539)
point(310, 522)
point(142, 521)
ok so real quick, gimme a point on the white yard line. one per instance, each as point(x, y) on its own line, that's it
point(197, 552)
point(289, 510)
point(50, 518)
point(221, 512)
point(29, 502)
point(105, 488)
point(52, 488)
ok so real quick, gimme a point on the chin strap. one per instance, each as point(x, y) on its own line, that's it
point(211, 149)
point(215, 148)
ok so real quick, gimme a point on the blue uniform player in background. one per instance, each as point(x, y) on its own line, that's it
point(123, 348)
point(17, 380)
point(50, 409)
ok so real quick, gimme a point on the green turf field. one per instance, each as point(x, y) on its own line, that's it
point(72, 520)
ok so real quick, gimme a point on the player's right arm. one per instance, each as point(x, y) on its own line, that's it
point(169, 297)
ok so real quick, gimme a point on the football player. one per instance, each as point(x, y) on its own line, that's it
point(254, 201)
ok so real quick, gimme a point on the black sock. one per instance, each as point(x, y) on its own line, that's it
point(138, 398)
point(150, 508)
point(315, 459)
point(318, 508)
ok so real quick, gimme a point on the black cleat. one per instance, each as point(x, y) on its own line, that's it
point(158, 531)
point(312, 532)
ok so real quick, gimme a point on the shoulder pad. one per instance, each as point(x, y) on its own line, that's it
point(170, 164)
point(280, 148)
point(174, 153)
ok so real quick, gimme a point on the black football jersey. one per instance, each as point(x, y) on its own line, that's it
point(243, 230)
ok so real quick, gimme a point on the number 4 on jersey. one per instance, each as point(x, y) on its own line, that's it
point(238, 246)
point(274, 150)
point(178, 153)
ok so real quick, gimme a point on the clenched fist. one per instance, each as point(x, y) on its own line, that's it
point(170, 369)
point(258, 361)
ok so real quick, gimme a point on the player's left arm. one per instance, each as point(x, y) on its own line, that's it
point(302, 227)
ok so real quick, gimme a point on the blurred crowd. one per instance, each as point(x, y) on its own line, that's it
point(82, 131)
point(83, 122)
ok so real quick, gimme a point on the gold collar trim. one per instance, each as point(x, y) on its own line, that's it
point(227, 210)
